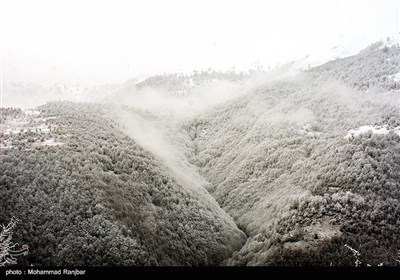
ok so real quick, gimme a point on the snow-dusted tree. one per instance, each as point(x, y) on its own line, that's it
point(5, 241)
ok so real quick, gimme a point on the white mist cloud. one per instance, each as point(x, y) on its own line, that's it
point(195, 99)
point(155, 136)
point(160, 102)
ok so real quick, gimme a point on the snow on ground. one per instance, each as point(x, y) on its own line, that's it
point(29, 130)
point(309, 130)
point(31, 112)
point(374, 129)
point(395, 77)
point(24, 127)
point(43, 128)
point(10, 131)
point(48, 142)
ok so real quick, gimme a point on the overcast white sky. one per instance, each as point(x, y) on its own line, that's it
point(112, 41)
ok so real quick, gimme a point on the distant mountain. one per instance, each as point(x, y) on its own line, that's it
point(323, 56)
point(30, 95)
point(180, 84)
point(178, 94)
point(319, 58)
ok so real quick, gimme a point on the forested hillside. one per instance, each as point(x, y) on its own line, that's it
point(100, 199)
point(281, 165)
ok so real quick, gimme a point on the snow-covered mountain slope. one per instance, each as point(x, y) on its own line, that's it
point(281, 166)
point(374, 68)
point(319, 58)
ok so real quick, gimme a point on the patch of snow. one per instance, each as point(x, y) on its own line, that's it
point(18, 122)
point(49, 142)
point(31, 112)
point(10, 131)
point(374, 129)
point(309, 130)
point(395, 77)
point(191, 83)
point(5, 147)
point(43, 128)
point(50, 118)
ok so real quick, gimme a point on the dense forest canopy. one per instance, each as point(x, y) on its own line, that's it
point(100, 199)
